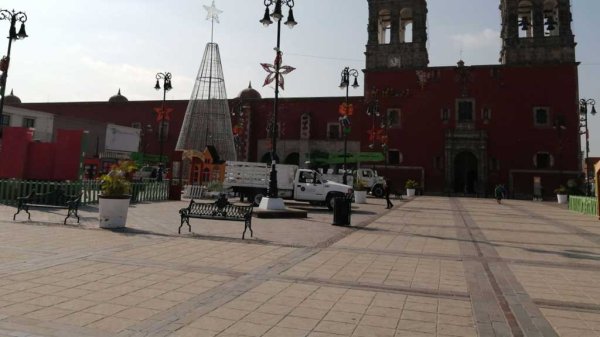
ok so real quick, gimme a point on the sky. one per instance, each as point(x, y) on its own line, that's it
point(86, 50)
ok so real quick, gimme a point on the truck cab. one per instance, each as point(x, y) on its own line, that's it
point(310, 185)
point(372, 180)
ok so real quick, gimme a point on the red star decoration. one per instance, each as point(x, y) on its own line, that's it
point(163, 114)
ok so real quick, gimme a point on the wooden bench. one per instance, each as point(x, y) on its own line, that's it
point(55, 199)
point(221, 209)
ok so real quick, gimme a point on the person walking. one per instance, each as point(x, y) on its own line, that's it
point(387, 188)
point(499, 193)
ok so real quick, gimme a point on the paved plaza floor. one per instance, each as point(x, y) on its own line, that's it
point(431, 266)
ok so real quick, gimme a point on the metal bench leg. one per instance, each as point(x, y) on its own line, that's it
point(248, 225)
point(71, 212)
point(185, 220)
point(18, 211)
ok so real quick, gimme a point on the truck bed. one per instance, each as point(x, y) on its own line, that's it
point(256, 175)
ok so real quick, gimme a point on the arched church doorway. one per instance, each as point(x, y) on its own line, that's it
point(465, 173)
point(292, 159)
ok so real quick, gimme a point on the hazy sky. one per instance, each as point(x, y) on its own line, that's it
point(85, 50)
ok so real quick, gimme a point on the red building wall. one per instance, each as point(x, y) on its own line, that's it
point(29, 160)
point(510, 92)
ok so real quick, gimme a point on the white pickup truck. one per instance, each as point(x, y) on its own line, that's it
point(251, 180)
point(368, 178)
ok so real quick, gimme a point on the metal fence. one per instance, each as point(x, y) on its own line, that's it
point(585, 205)
point(10, 189)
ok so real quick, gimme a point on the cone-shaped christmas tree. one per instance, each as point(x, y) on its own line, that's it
point(207, 121)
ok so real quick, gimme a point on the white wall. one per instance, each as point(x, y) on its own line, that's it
point(43, 121)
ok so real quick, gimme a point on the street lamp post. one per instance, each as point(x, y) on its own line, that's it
point(12, 35)
point(266, 21)
point(347, 111)
point(162, 114)
point(583, 124)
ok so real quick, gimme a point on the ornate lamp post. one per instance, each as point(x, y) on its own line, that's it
point(12, 35)
point(583, 130)
point(162, 113)
point(277, 76)
point(346, 110)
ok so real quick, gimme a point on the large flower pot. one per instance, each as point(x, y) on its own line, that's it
point(561, 198)
point(360, 197)
point(113, 211)
point(410, 192)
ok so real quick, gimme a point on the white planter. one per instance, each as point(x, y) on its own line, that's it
point(561, 198)
point(360, 197)
point(113, 212)
point(410, 192)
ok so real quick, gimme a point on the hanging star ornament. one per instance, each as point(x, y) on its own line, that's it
point(212, 12)
point(163, 113)
point(272, 70)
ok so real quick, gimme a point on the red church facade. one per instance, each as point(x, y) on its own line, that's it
point(457, 129)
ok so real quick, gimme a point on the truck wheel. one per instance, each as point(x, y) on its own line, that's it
point(257, 198)
point(329, 200)
point(377, 191)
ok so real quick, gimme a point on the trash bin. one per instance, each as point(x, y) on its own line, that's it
point(175, 192)
point(341, 211)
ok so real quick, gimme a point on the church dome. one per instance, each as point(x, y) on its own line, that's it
point(249, 93)
point(118, 98)
point(12, 99)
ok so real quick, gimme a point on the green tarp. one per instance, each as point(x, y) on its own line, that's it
point(360, 157)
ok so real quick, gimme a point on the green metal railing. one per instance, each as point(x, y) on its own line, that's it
point(585, 205)
point(10, 189)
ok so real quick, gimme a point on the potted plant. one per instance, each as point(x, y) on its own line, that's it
point(116, 194)
point(411, 186)
point(360, 191)
point(561, 194)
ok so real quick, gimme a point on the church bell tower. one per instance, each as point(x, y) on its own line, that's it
point(536, 32)
point(397, 34)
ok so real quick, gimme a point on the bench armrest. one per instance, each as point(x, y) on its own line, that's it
point(26, 198)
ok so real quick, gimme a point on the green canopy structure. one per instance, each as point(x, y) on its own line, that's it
point(338, 158)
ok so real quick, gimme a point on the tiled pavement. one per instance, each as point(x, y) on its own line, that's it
point(429, 267)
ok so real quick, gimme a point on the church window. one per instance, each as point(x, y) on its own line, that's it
point(465, 111)
point(525, 19)
point(551, 27)
point(445, 115)
point(394, 157)
point(438, 162)
point(385, 26)
point(406, 26)
point(163, 130)
point(5, 120)
point(541, 116)
point(486, 115)
point(394, 118)
point(28, 122)
point(542, 160)
point(333, 131)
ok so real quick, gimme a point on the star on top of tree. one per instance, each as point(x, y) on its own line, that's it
point(212, 12)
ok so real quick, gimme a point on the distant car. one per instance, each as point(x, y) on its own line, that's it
point(146, 172)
